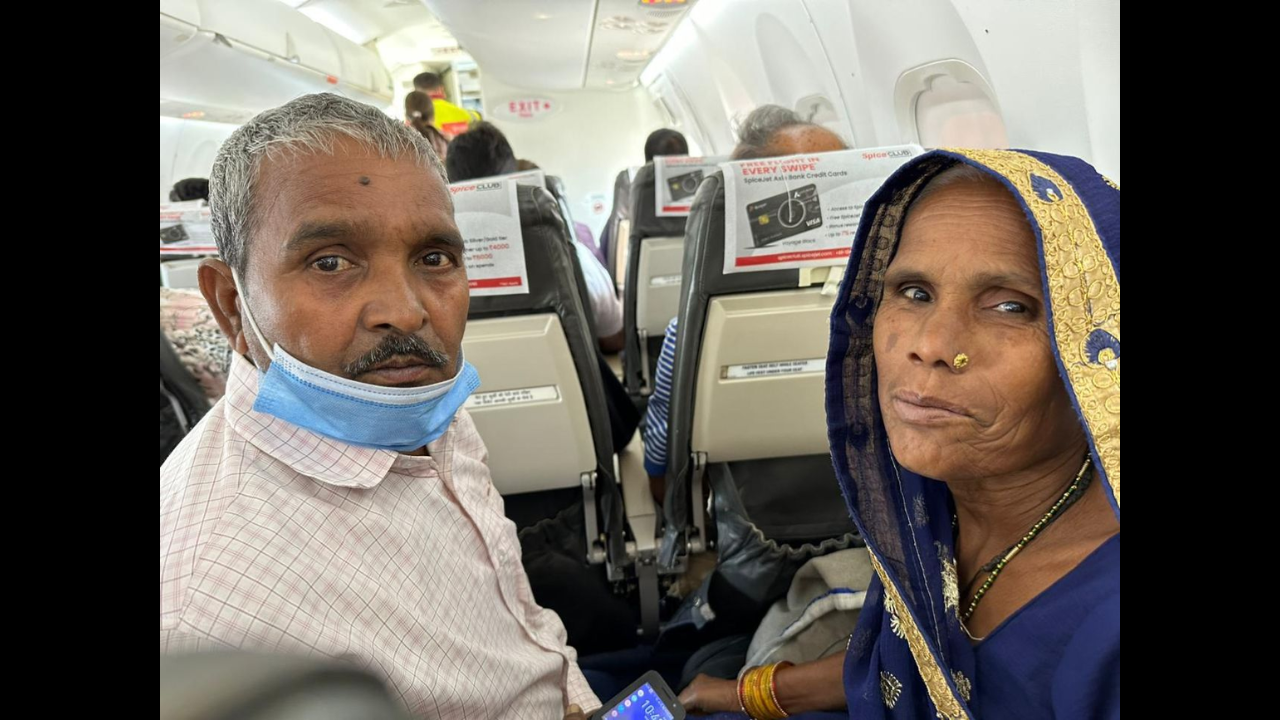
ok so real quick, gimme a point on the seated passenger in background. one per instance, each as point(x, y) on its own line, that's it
point(665, 142)
point(660, 142)
point(190, 189)
point(337, 500)
point(484, 151)
point(769, 131)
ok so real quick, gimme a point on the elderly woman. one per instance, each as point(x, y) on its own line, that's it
point(973, 399)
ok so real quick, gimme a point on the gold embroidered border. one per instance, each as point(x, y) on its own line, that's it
point(949, 708)
point(1084, 292)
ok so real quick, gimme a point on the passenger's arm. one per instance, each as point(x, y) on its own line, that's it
point(658, 413)
point(606, 308)
point(613, 344)
point(817, 685)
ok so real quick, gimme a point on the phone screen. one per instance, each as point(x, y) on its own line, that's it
point(642, 704)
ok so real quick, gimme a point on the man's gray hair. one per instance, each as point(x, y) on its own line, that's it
point(758, 129)
point(308, 125)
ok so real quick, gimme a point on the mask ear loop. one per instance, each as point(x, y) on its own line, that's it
point(244, 307)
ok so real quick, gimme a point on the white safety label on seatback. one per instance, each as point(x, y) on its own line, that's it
point(664, 280)
point(488, 216)
point(515, 396)
point(801, 210)
point(768, 369)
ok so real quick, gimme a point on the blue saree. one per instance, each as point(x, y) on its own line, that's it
point(1058, 656)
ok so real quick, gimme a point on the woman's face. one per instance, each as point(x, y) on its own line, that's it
point(966, 280)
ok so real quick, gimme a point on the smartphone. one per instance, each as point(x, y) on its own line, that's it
point(648, 698)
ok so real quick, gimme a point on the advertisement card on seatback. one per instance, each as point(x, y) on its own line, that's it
point(488, 215)
point(676, 179)
point(801, 210)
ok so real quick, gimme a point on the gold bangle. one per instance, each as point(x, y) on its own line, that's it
point(742, 698)
point(758, 696)
point(748, 693)
point(755, 708)
point(766, 693)
point(766, 681)
point(762, 693)
point(773, 689)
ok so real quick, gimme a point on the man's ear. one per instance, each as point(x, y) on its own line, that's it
point(218, 285)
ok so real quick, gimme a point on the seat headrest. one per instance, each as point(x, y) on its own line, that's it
point(704, 250)
point(644, 207)
point(556, 186)
point(548, 256)
point(622, 194)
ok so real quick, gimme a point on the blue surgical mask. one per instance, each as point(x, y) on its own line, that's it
point(384, 418)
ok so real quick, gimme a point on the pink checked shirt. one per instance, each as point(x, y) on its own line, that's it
point(275, 538)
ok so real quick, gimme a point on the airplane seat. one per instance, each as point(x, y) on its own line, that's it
point(611, 243)
point(651, 293)
point(541, 408)
point(556, 187)
point(747, 419)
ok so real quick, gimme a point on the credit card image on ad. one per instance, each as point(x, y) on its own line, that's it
point(786, 215)
point(683, 186)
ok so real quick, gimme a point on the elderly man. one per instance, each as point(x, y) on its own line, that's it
point(336, 501)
